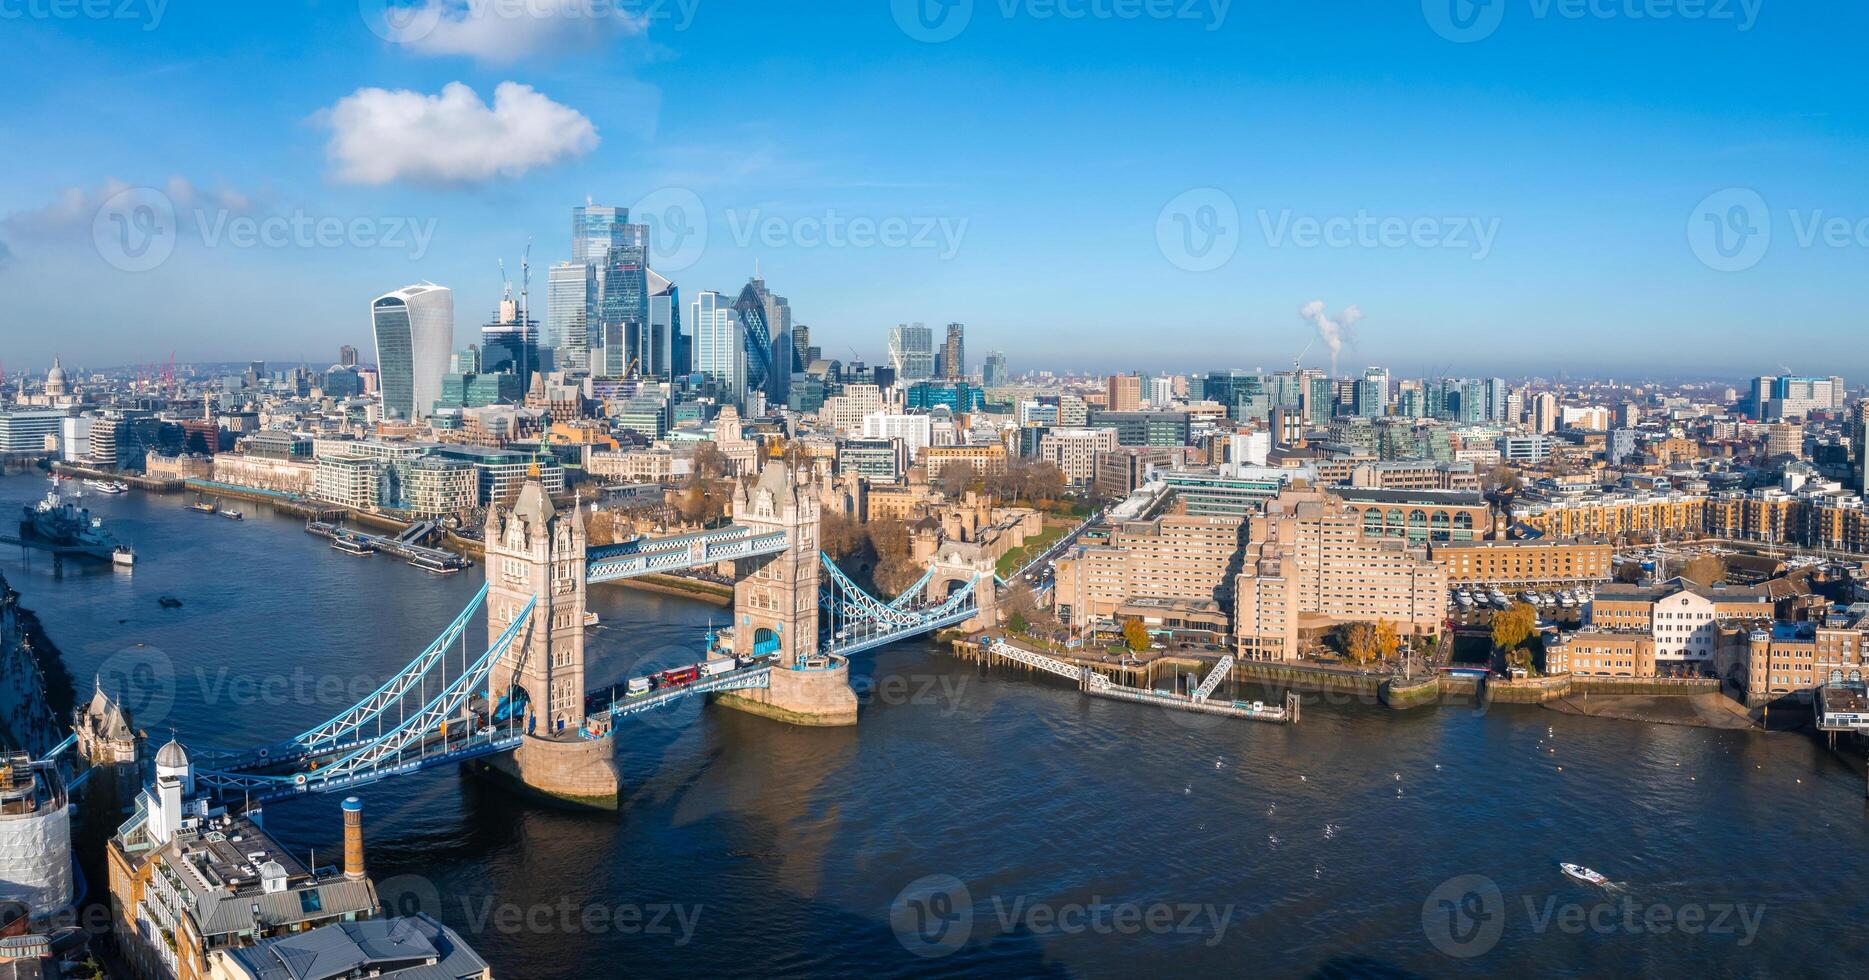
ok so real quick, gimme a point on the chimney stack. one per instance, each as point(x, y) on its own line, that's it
point(353, 837)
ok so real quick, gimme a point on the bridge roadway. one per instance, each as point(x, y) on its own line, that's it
point(367, 743)
point(615, 562)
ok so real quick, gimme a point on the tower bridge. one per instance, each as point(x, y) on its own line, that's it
point(520, 707)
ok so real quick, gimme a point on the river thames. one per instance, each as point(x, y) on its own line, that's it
point(985, 823)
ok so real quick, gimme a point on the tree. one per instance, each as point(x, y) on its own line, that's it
point(1514, 627)
point(1504, 480)
point(841, 535)
point(956, 477)
point(1136, 635)
point(1705, 569)
point(1361, 643)
point(709, 462)
point(1388, 639)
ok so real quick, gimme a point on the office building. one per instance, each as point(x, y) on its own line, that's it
point(29, 432)
point(570, 295)
point(623, 307)
point(1794, 397)
point(911, 352)
point(916, 432)
point(844, 412)
point(1137, 428)
point(989, 460)
point(956, 396)
point(1074, 451)
point(1123, 393)
point(765, 322)
point(666, 350)
point(414, 329)
point(993, 370)
point(719, 344)
point(347, 356)
point(508, 345)
point(877, 459)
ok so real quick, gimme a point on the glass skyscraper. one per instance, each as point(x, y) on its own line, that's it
point(911, 352)
point(662, 349)
point(414, 329)
point(507, 345)
point(719, 350)
point(571, 289)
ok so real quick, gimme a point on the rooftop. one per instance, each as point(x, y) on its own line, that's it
point(412, 948)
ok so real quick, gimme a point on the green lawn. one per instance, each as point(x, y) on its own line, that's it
point(1015, 559)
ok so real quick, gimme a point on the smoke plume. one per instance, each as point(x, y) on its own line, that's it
point(1332, 332)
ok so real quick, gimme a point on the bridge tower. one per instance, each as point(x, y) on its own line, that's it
point(775, 608)
point(952, 570)
point(534, 549)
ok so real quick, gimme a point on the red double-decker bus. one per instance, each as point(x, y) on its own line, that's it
point(677, 677)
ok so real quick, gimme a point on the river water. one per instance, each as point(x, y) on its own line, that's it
point(987, 823)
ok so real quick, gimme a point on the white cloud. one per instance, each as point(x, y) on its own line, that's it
point(379, 136)
point(505, 31)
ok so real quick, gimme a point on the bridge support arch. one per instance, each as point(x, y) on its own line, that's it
point(533, 549)
point(775, 609)
point(952, 571)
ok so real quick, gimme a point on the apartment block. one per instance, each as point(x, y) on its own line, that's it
point(1312, 564)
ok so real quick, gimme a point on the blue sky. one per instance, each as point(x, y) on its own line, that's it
point(1537, 185)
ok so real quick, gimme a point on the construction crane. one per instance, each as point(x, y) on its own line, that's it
point(1296, 361)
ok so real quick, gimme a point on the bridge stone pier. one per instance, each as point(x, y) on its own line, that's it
point(775, 609)
point(533, 549)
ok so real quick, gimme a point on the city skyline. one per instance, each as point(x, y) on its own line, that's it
point(631, 114)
